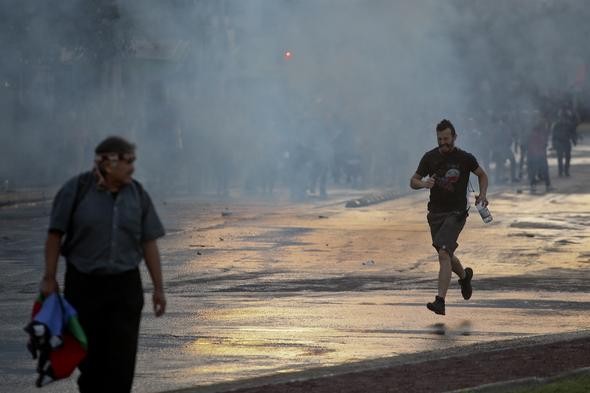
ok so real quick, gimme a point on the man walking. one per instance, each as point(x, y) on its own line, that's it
point(564, 134)
point(537, 165)
point(447, 169)
point(110, 225)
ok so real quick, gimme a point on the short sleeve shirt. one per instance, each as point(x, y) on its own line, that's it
point(104, 232)
point(451, 172)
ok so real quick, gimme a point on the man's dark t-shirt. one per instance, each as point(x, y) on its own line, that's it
point(451, 172)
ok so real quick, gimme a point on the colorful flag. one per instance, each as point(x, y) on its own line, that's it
point(56, 338)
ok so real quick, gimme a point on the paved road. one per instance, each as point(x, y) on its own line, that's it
point(266, 287)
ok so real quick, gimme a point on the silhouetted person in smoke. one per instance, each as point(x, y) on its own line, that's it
point(502, 151)
point(522, 145)
point(110, 225)
point(322, 157)
point(564, 134)
point(263, 175)
point(447, 170)
point(524, 122)
point(299, 172)
point(538, 167)
point(346, 161)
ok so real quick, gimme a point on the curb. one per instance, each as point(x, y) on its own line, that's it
point(524, 383)
point(376, 364)
point(373, 199)
point(12, 198)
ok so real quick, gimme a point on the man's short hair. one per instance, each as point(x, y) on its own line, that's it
point(444, 124)
point(114, 144)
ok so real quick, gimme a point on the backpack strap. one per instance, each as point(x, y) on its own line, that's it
point(83, 184)
point(142, 195)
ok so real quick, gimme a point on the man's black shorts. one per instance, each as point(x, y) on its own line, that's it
point(445, 228)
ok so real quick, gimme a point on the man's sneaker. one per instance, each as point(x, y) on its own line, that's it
point(465, 283)
point(438, 306)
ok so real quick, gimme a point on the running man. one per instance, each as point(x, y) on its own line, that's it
point(446, 170)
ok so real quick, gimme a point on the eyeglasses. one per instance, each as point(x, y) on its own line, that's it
point(128, 159)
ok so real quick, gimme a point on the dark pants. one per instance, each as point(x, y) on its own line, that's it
point(500, 158)
point(564, 156)
point(109, 310)
point(538, 166)
point(523, 154)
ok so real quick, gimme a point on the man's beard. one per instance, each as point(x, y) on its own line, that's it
point(449, 147)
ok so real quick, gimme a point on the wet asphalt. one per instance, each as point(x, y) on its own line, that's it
point(267, 287)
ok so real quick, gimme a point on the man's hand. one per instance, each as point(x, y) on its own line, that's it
point(481, 199)
point(159, 301)
point(417, 183)
point(48, 285)
point(429, 182)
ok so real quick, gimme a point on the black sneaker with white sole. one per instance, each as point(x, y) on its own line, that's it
point(465, 283)
point(438, 306)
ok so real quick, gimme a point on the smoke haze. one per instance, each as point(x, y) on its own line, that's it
point(214, 102)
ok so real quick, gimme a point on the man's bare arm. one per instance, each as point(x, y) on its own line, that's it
point(151, 255)
point(52, 247)
point(482, 179)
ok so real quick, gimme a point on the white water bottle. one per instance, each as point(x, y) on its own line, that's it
point(484, 212)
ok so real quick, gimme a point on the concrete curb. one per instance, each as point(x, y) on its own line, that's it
point(375, 364)
point(524, 383)
point(372, 199)
point(384, 196)
point(12, 198)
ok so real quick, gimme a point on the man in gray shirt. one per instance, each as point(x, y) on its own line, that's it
point(109, 224)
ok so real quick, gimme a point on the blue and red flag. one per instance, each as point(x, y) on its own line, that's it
point(56, 338)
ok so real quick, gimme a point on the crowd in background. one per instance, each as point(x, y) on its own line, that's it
point(514, 146)
point(215, 106)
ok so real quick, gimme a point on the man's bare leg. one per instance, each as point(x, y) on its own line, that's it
point(457, 267)
point(444, 274)
point(444, 280)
